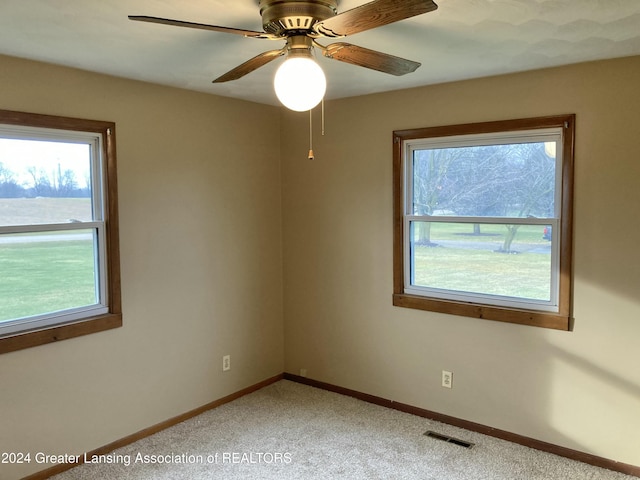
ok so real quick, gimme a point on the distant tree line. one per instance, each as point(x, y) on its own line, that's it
point(56, 183)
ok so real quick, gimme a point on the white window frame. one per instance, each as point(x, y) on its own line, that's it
point(555, 313)
point(485, 139)
point(97, 225)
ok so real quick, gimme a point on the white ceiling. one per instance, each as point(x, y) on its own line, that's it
point(462, 39)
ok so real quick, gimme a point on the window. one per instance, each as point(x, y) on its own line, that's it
point(482, 220)
point(59, 253)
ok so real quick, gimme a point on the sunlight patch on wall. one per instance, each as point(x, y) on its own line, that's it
point(588, 406)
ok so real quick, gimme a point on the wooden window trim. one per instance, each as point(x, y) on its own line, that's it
point(113, 319)
point(562, 320)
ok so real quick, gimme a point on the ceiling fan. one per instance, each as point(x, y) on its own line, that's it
point(301, 23)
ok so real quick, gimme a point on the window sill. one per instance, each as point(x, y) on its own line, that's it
point(486, 312)
point(56, 333)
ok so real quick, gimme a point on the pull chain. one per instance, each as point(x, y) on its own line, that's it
point(311, 156)
point(310, 134)
point(323, 116)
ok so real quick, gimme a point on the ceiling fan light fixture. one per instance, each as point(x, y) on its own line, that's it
point(300, 83)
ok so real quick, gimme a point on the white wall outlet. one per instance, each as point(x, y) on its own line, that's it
point(447, 379)
point(303, 372)
point(226, 363)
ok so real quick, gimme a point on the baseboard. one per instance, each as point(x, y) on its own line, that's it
point(475, 427)
point(49, 472)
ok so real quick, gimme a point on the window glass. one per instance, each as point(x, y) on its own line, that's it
point(512, 180)
point(465, 258)
point(47, 272)
point(44, 182)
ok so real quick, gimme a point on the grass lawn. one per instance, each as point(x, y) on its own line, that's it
point(45, 276)
point(470, 263)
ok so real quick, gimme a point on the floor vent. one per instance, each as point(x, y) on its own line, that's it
point(447, 438)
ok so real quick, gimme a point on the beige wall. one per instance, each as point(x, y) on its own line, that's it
point(577, 389)
point(200, 238)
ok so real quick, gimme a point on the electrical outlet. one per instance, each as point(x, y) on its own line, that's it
point(447, 379)
point(303, 372)
point(226, 363)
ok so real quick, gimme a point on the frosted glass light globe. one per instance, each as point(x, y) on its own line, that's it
point(300, 83)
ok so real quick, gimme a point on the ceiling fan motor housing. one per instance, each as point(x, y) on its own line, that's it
point(284, 17)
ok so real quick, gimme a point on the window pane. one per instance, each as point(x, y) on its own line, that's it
point(46, 272)
point(513, 180)
point(44, 182)
point(491, 259)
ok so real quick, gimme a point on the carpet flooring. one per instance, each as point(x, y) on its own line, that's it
point(292, 431)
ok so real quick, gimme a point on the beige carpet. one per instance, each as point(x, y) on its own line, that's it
point(292, 431)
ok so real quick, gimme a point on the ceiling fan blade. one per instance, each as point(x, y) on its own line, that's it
point(250, 65)
point(363, 57)
point(372, 15)
point(201, 26)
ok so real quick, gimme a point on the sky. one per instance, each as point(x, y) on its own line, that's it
point(19, 155)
